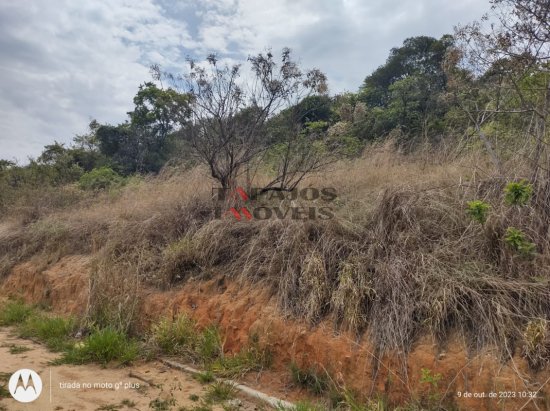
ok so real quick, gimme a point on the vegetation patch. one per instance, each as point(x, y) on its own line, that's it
point(14, 313)
point(317, 383)
point(220, 391)
point(102, 346)
point(54, 332)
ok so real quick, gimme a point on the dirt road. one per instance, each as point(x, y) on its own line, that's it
point(90, 387)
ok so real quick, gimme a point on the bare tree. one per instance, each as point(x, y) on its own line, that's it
point(230, 111)
point(513, 41)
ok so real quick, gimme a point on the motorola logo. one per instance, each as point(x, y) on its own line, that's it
point(25, 385)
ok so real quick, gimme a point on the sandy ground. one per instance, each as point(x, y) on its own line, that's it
point(164, 383)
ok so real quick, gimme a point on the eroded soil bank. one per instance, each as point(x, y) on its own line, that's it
point(242, 311)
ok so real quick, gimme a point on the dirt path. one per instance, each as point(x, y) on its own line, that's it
point(132, 393)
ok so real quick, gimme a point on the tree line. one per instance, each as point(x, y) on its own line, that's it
point(488, 83)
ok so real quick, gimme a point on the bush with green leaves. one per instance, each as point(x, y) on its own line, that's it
point(478, 210)
point(100, 179)
point(516, 240)
point(518, 193)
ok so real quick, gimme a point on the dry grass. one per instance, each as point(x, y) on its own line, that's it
point(401, 255)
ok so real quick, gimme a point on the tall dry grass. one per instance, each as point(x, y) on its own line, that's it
point(401, 257)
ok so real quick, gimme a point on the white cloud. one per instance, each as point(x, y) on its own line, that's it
point(67, 62)
point(64, 62)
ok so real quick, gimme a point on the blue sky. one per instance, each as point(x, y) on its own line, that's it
point(65, 62)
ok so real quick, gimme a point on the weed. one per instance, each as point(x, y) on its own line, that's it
point(128, 403)
point(52, 331)
point(14, 312)
point(250, 358)
point(102, 346)
point(162, 405)
point(518, 193)
point(309, 378)
point(18, 349)
point(194, 397)
point(205, 377)
point(517, 241)
point(209, 344)
point(220, 391)
point(432, 397)
point(4, 378)
point(178, 336)
point(478, 210)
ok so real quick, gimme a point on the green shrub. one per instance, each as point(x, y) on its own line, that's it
point(14, 312)
point(99, 179)
point(478, 210)
point(516, 240)
point(102, 346)
point(518, 193)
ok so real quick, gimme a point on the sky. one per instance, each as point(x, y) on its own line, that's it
point(65, 62)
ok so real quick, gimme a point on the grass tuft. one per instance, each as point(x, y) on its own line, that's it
point(102, 346)
point(54, 332)
point(220, 391)
point(14, 313)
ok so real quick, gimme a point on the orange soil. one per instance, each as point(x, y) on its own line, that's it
point(243, 310)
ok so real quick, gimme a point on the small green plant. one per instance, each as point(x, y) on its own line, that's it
point(109, 407)
point(309, 378)
point(194, 397)
point(478, 210)
point(427, 377)
point(52, 331)
point(205, 377)
point(100, 179)
point(517, 241)
point(102, 346)
point(18, 349)
point(162, 405)
point(4, 378)
point(432, 380)
point(250, 358)
point(128, 403)
point(518, 193)
point(220, 391)
point(176, 336)
point(14, 312)
point(209, 344)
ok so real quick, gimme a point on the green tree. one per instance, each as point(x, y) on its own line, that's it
point(142, 143)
